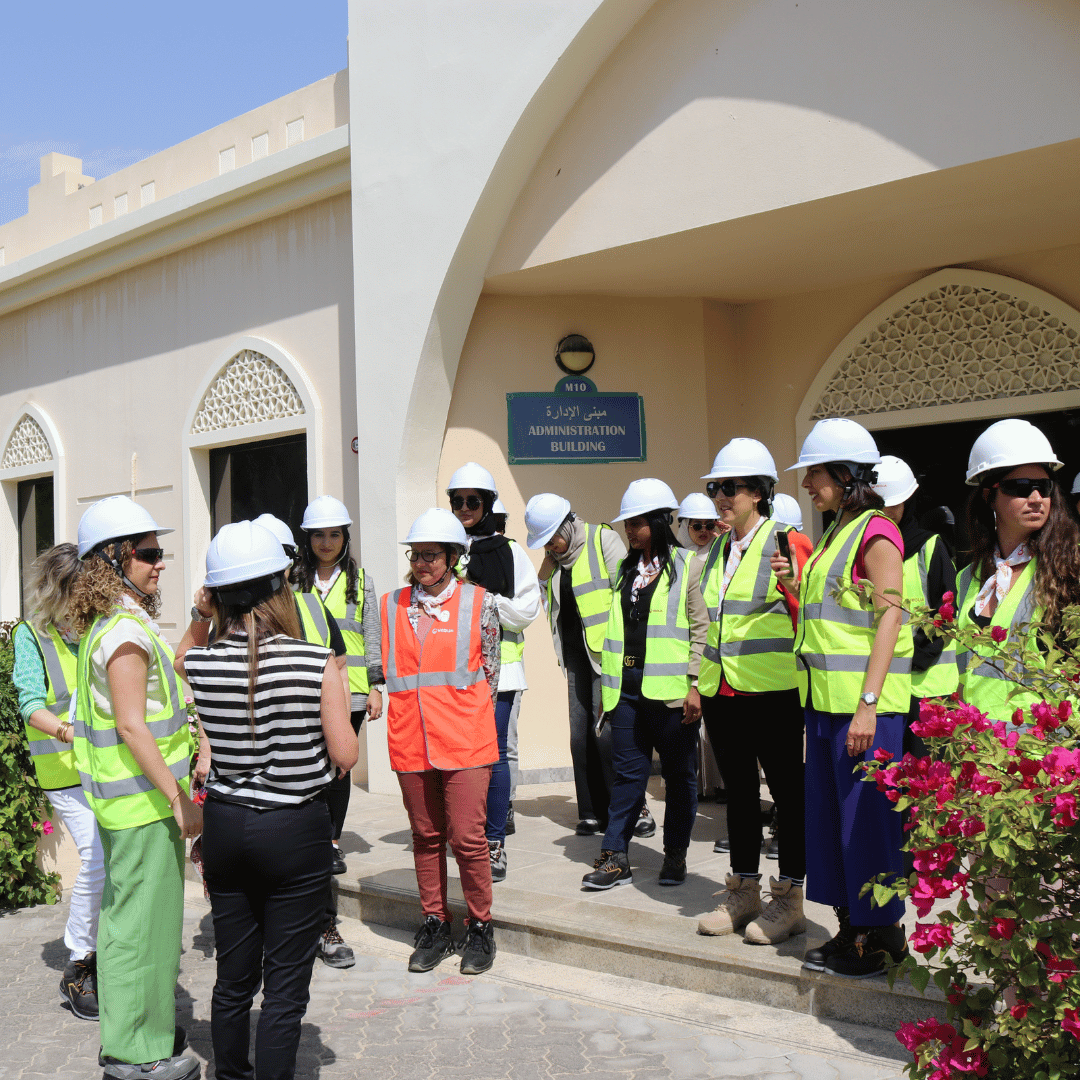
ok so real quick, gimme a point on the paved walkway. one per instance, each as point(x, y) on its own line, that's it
point(525, 1020)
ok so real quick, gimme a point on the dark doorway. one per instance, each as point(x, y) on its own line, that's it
point(35, 527)
point(938, 455)
point(267, 477)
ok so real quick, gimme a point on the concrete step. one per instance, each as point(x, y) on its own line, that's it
point(656, 947)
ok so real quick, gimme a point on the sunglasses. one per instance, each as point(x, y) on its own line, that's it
point(148, 555)
point(424, 556)
point(707, 526)
point(1022, 487)
point(725, 487)
point(473, 502)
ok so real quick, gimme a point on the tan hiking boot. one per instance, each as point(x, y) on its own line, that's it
point(782, 917)
point(739, 903)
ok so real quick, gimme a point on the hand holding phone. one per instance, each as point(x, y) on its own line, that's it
point(783, 547)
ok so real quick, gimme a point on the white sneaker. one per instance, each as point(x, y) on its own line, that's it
point(739, 903)
point(782, 917)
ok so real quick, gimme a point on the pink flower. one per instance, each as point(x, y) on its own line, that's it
point(1064, 710)
point(928, 889)
point(930, 936)
point(1058, 969)
point(934, 860)
point(965, 1061)
point(883, 755)
point(947, 610)
point(1071, 1023)
point(1020, 1010)
point(1046, 719)
point(46, 828)
point(929, 1030)
point(1002, 929)
point(1064, 812)
point(999, 633)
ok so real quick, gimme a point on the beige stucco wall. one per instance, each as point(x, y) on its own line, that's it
point(116, 366)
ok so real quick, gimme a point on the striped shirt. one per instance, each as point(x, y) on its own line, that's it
point(286, 761)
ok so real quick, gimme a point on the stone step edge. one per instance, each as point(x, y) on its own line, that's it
point(759, 976)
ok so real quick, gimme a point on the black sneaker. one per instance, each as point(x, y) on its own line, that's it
point(815, 959)
point(333, 951)
point(722, 846)
point(433, 942)
point(78, 987)
point(338, 866)
point(611, 869)
point(478, 948)
point(874, 950)
point(646, 823)
point(673, 872)
point(511, 826)
point(174, 1068)
point(587, 826)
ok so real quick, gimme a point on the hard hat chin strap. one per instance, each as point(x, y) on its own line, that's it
point(114, 564)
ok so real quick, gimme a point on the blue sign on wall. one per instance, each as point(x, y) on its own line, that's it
point(575, 425)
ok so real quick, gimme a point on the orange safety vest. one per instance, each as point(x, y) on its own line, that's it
point(439, 713)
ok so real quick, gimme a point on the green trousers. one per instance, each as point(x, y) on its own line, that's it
point(138, 945)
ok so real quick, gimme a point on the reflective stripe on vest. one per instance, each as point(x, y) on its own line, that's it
point(836, 633)
point(591, 586)
point(667, 640)
point(350, 619)
point(439, 712)
point(751, 638)
point(54, 761)
point(118, 792)
point(314, 624)
point(983, 683)
point(941, 678)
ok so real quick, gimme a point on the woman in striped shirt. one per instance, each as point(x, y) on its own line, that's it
point(274, 710)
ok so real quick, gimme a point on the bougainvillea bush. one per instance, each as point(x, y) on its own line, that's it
point(993, 830)
point(24, 809)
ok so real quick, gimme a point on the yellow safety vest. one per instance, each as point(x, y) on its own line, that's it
point(942, 677)
point(667, 641)
point(835, 636)
point(981, 683)
point(591, 586)
point(512, 642)
point(116, 788)
point(314, 618)
point(350, 620)
point(750, 633)
point(54, 761)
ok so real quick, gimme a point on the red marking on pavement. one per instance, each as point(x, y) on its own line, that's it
point(455, 980)
point(396, 1001)
point(363, 1015)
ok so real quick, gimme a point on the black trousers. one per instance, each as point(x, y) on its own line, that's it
point(594, 772)
point(340, 789)
point(268, 874)
point(744, 730)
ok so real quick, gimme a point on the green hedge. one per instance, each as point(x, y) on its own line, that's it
point(23, 805)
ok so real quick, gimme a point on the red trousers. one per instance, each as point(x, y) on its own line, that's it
point(450, 806)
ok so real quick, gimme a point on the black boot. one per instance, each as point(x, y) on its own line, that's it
point(873, 951)
point(78, 987)
point(673, 872)
point(433, 942)
point(611, 869)
point(815, 959)
point(478, 948)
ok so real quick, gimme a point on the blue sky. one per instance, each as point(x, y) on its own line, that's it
point(114, 83)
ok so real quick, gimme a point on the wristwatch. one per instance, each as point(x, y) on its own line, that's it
point(868, 698)
point(198, 616)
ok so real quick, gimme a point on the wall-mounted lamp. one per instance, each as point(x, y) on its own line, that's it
point(574, 354)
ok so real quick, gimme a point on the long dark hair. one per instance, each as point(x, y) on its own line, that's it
point(663, 540)
point(859, 496)
point(309, 565)
point(1056, 547)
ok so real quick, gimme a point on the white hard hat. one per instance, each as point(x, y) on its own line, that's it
point(543, 516)
point(243, 551)
point(325, 512)
point(1009, 443)
point(278, 528)
point(697, 506)
point(896, 482)
point(436, 526)
point(837, 441)
point(498, 508)
point(1076, 485)
point(742, 457)
point(787, 511)
point(114, 518)
point(644, 496)
point(471, 475)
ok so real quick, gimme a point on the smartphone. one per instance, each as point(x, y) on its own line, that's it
point(783, 545)
point(598, 727)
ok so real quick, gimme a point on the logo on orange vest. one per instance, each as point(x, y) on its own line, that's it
point(443, 630)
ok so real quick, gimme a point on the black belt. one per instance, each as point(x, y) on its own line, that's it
point(633, 661)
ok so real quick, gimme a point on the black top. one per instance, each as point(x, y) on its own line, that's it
point(636, 615)
point(940, 579)
point(491, 564)
point(571, 630)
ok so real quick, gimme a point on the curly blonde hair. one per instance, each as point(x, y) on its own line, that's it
point(99, 589)
point(55, 575)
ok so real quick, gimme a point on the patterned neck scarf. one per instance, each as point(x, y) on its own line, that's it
point(996, 587)
point(646, 571)
point(735, 554)
point(432, 604)
point(322, 586)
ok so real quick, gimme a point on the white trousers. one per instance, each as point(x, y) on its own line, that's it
point(80, 934)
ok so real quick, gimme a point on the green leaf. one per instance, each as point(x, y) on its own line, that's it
point(919, 977)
